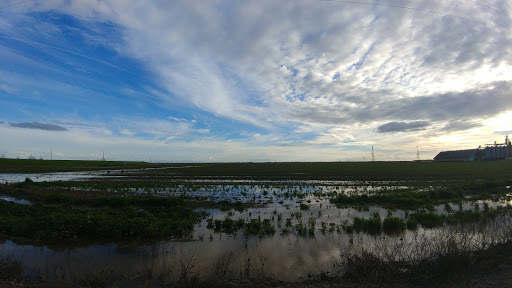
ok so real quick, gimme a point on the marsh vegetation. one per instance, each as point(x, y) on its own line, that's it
point(174, 226)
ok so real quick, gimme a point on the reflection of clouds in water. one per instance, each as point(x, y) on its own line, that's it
point(285, 258)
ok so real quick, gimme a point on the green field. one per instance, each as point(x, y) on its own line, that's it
point(39, 166)
point(289, 170)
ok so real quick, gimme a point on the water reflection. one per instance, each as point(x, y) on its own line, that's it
point(15, 200)
point(286, 256)
point(42, 177)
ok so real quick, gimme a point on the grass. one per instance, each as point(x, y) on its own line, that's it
point(454, 257)
point(259, 227)
point(61, 217)
point(39, 166)
point(392, 225)
point(372, 225)
point(433, 259)
point(360, 170)
point(109, 210)
point(426, 196)
point(427, 219)
point(288, 170)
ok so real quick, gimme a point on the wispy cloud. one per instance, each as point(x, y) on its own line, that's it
point(37, 125)
point(279, 73)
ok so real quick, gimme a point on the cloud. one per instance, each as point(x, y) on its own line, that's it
point(484, 102)
point(37, 125)
point(126, 132)
point(487, 101)
point(177, 119)
point(313, 72)
point(7, 88)
point(505, 132)
point(402, 126)
point(461, 125)
point(266, 62)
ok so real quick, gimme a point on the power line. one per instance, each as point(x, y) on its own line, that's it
point(407, 8)
point(35, 43)
point(493, 7)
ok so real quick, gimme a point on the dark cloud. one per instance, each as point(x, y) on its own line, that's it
point(460, 125)
point(37, 125)
point(402, 126)
point(477, 103)
point(458, 108)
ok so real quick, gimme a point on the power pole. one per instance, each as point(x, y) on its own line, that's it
point(373, 155)
point(417, 154)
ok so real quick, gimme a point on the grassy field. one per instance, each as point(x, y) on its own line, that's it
point(359, 170)
point(104, 210)
point(38, 166)
point(292, 170)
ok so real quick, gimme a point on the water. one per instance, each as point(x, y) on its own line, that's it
point(48, 177)
point(286, 255)
point(15, 200)
point(72, 176)
point(289, 258)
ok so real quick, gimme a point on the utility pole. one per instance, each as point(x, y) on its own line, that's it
point(417, 154)
point(373, 155)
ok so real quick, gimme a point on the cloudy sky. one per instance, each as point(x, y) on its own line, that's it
point(275, 80)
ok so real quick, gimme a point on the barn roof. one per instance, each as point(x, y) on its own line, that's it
point(457, 155)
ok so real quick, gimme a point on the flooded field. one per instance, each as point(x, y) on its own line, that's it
point(290, 230)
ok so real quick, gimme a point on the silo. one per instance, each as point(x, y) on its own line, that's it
point(501, 152)
point(487, 153)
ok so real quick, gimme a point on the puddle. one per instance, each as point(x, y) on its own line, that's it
point(48, 177)
point(17, 201)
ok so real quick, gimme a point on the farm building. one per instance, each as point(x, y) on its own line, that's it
point(457, 156)
point(489, 153)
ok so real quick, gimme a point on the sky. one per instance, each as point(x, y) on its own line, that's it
point(263, 80)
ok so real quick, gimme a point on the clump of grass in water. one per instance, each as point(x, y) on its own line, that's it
point(259, 227)
point(228, 225)
point(393, 225)
point(125, 220)
point(371, 225)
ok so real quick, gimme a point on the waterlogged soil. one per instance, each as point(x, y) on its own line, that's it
point(309, 231)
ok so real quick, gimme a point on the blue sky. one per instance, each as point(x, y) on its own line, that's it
point(201, 81)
